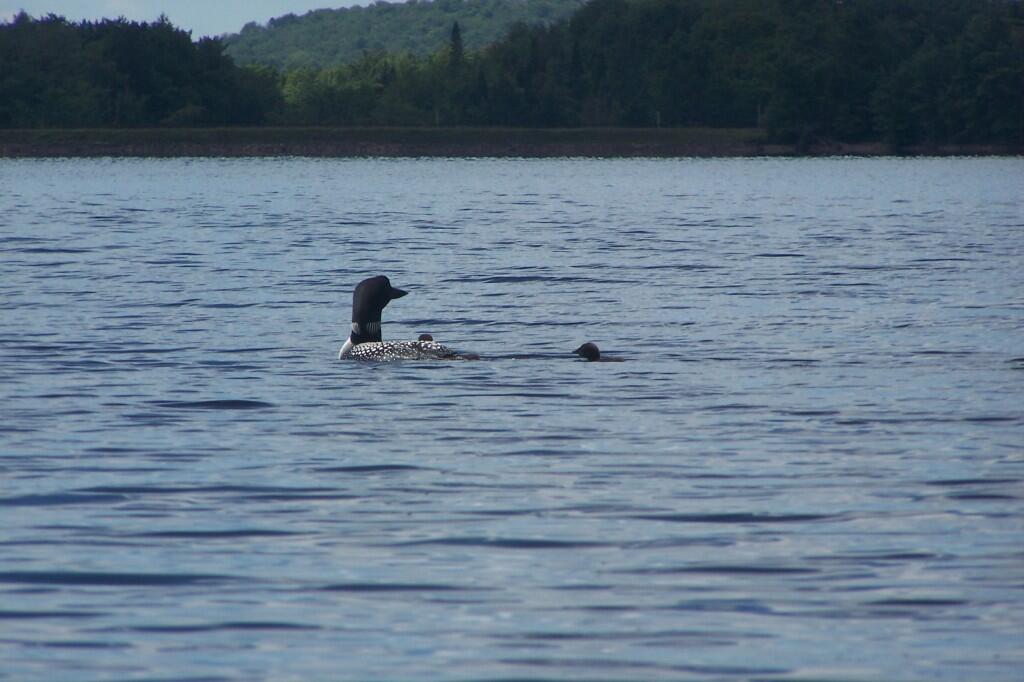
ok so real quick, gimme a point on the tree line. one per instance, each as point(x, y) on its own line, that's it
point(58, 74)
point(914, 71)
point(328, 37)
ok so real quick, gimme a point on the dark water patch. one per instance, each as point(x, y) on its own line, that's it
point(535, 452)
point(366, 587)
point(954, 482)
point(92, 365)
point(581, 587)
point(171, 304)
point(48, 347)
point(144, 350)
point(98, 469)
point(176, 262)
point(226, 404)
point(508, 543)
point(852, 284)
point(981, 497)
point(153, 419)
point(60, 499)
point(187, 490)
point(679, 542)
point(621, 664)
point(609, 509)
point(651, 636)
point(112, 450)
point(302, 497)
point(227, 364)
point(509, 513)
point(456, 322)
point(49, 249)
point(46, 615)
point(526, 279)
point(724, 605)
point(920, 602)
point(894, 421)
point(737, 518)
point(721, 569)
point(732, 407)
point(70, 578)
point(952, 353)
point(870, 558)
point(371, 469)
point(85, 644)
point(698, 267)
point(991, 419)
point(219, 627)
point(567, 355)
point(215, 534)
point(53, 264)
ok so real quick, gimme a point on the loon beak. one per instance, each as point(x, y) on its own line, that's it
point(397, 293)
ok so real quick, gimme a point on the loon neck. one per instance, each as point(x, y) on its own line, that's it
point(365, 332)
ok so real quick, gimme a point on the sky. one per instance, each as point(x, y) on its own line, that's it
point(202, 17)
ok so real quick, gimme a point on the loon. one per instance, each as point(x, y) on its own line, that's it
point(591, 353)
point(364, 343)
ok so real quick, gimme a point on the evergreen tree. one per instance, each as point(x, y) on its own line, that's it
point(455, 51)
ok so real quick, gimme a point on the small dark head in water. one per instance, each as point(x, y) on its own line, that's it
point(425, 337)
point(589, 351)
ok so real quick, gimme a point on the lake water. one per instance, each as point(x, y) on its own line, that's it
point(809, 467)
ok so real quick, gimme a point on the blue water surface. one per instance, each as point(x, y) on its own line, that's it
point(810, 465)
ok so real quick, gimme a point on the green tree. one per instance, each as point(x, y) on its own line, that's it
point(455, 50)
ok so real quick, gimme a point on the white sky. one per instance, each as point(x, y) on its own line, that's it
point(202, 17)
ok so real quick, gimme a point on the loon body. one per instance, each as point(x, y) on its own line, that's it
point(365, 342)
point(399, 350)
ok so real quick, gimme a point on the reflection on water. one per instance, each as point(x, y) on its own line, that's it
point(809, 467)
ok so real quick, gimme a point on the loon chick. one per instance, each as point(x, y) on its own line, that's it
point(591, 353)
point(364, 343)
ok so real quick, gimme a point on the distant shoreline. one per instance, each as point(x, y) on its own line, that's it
point(443, 142)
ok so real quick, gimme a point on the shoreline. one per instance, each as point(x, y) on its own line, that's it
point(445, 142)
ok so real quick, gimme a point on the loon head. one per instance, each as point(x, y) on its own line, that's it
point(588, 351)
point(425, 337)
point(368, 302)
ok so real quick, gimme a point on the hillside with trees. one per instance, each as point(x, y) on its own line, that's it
point(329, 37)
point(801, 71)
point(908, 72)
point(54, 74)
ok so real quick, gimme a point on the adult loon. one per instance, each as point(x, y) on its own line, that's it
point(364, 342)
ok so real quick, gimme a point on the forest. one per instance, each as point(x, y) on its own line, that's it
point(908, 72)
point(328, 37)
